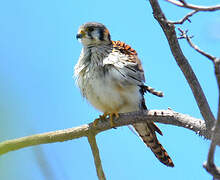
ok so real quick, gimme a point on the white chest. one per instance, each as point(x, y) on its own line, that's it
point(107, 94)
point(102, 85)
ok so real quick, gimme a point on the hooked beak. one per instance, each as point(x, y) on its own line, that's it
point(80, 35)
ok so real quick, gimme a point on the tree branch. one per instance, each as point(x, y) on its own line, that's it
point(97, 160)
point(210, 165)
point(44, 138)
point(161, 116)
point(184, 35)
point(184, 18)
point(194, 7)
point(182, 62)
point(90, 131)
point(169, 30)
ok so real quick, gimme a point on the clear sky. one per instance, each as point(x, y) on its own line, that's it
point(38, 50)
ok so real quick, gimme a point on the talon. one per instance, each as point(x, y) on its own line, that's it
point(101, 117)
point(112, 124)
point(95, 122)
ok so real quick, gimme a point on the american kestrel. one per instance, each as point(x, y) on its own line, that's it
point(110, 76)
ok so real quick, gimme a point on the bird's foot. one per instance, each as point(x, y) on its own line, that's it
point(103, 117)
point(111, 115)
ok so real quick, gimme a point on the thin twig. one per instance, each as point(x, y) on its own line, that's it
point(183, 63)
point(97, 160)
point(194, 7)
point(185, 18)
point(184, 35)
point(161, 116)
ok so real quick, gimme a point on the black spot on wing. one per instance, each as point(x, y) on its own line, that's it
point(120, 72)
point(134, 78)
point(130, 68)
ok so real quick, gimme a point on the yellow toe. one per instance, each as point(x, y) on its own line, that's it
point(101, 117)
point(112, 124)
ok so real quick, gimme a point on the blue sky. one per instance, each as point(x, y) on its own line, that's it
point(38, 50)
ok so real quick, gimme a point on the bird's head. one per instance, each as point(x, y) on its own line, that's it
point(93, 34)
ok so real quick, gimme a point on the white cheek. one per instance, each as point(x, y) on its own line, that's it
point(85, 41)
point(95, 35)
point(96, 38)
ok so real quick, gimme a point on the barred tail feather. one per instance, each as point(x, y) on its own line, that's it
point(147, 133)
point(152, 91)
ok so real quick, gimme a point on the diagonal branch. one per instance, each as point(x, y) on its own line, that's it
point(194, 7)
point(182, 62)
point(161, 116)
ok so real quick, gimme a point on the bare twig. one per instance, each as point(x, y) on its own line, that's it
point(210, 165)
point(185, 18)
point(161, 116)
point(184, 35)
point(97, 160)
point(181, 60)
point(194, 7)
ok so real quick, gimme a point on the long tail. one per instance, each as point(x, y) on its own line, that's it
point(147, 133)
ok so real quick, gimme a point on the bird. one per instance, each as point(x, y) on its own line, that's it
point(110, 76)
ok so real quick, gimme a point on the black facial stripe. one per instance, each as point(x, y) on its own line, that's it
point(109, 37)
point(101, 34)
point(90, 34)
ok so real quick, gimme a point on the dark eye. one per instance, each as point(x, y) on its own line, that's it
point(90, 29)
